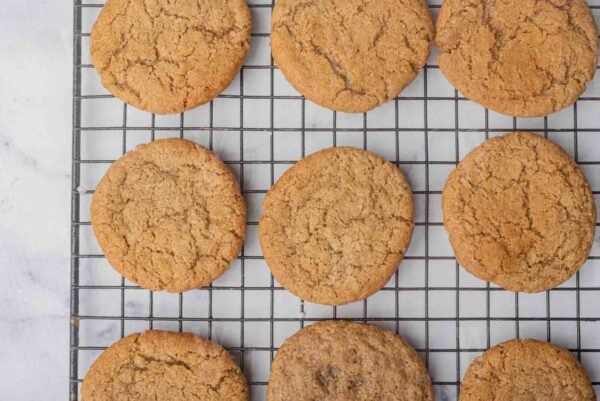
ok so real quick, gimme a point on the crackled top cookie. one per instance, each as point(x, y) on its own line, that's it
point(524, 58)
point(169, 216)
point(338, 360)
point(170, 56)
point(526, 370)
point(519, 212)
point(336, 225)
point(158, 365)
point(351, 55)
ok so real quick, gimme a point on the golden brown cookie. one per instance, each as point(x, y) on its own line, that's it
point(519, 213)
point(336, 225)
point(169, 216)
point(351, 55)
point(158, 365)
point(523, 370)
point(338, 360)
point(524, 58)
point(168, 56)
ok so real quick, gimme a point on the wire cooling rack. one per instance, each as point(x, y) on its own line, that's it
point(260, 126)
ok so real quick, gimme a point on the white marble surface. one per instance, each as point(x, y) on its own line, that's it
point(35, 161)
point(35, 150)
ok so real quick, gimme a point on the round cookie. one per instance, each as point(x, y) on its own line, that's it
point(351, 55)
point(169, 216)
point(338, 360)
point(168, 56)
point(524, 58)
point(158, 365)
point(526, 370)
point(336, 225)
point(519, 213)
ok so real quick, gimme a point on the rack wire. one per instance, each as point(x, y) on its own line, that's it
point(260, 127)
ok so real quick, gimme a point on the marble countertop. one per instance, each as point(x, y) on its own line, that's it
point(35, 160)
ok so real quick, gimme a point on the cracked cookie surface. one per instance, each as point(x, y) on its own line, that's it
point(158, 365)
point(524, 58)
point(351, 55)
point(170, 56)
point(336, 225)
point(339, 360)
point(526, 370)
point(519, 212)
point(169, 216)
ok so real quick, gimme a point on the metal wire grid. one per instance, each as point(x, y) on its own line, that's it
point(446, 387)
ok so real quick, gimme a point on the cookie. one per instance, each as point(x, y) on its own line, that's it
point(524, 58)
point(351, 55)
point(519, 212)
point(336, 225)
point(169, 216)
point(526, 370)
point(158, 365)
point(168, 56)
point(338, 360)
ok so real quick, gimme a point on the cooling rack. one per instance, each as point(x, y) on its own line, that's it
point(260, 126)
